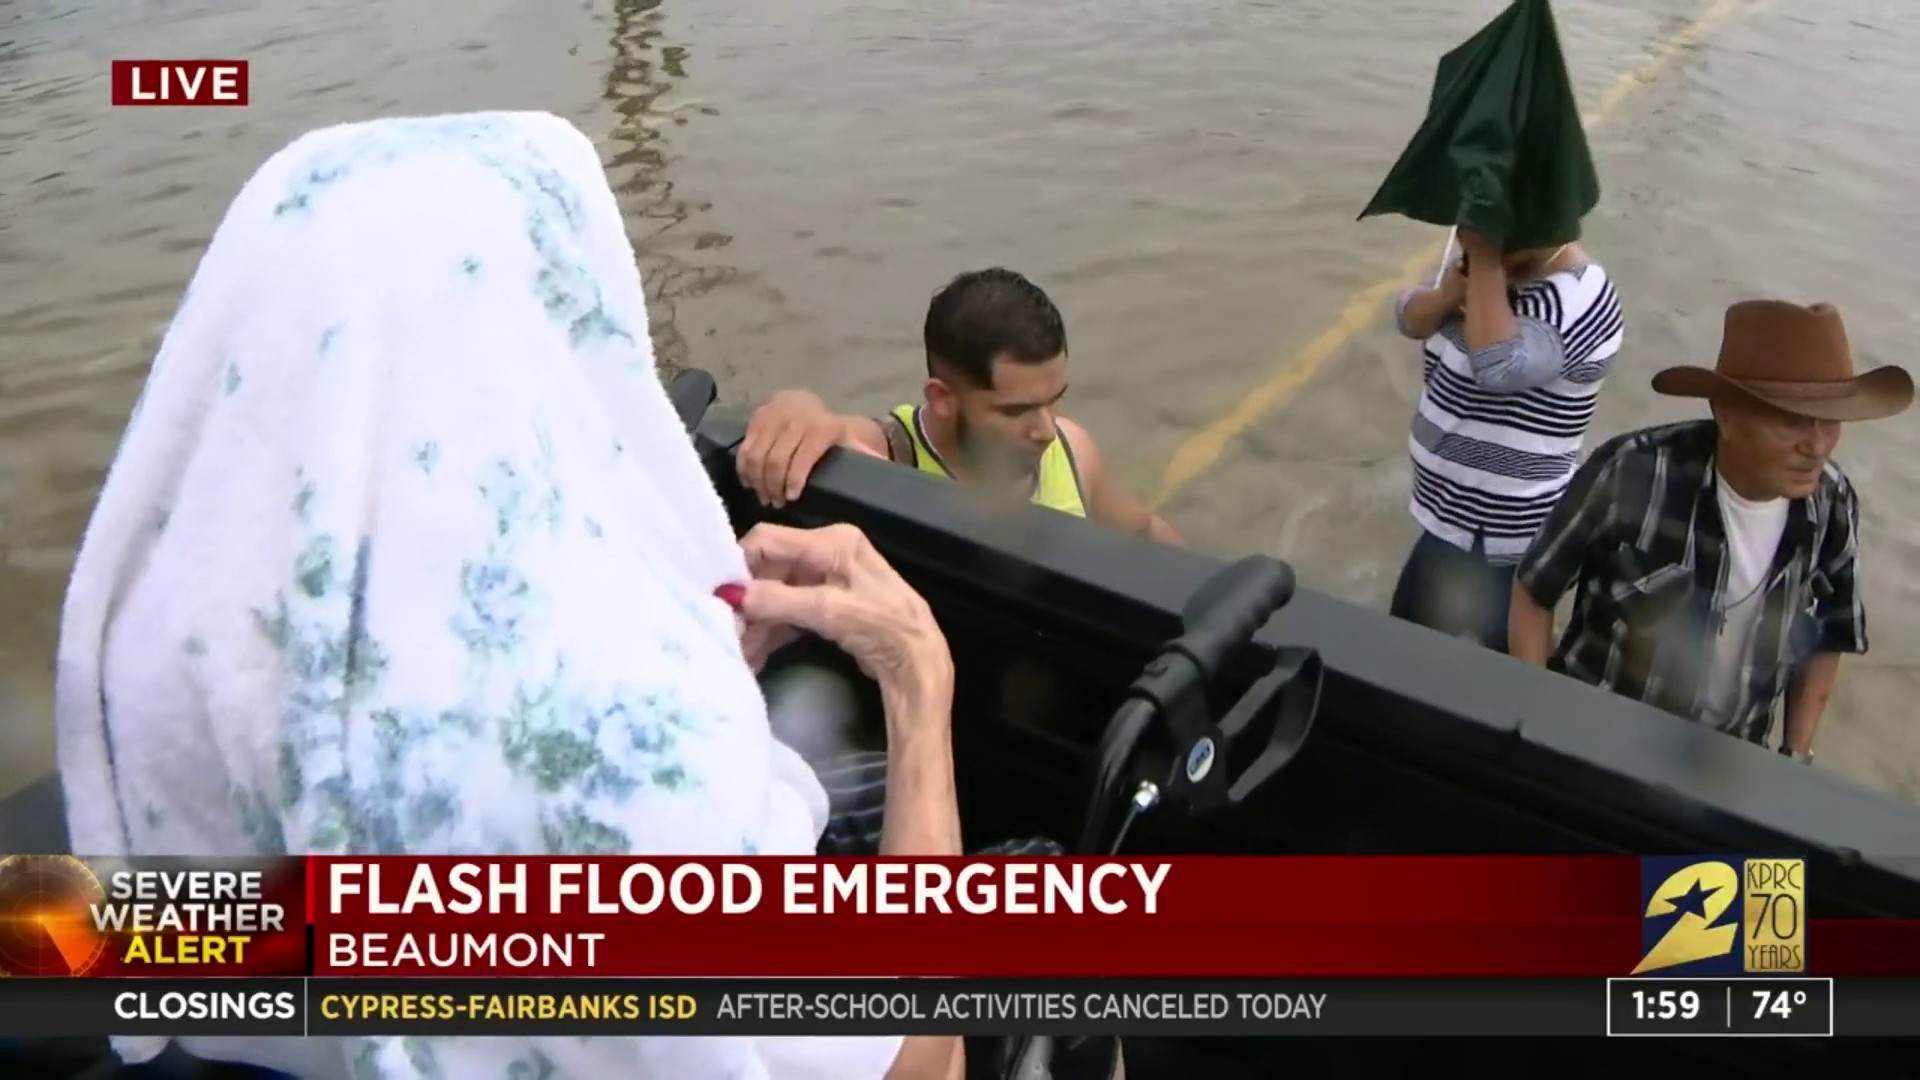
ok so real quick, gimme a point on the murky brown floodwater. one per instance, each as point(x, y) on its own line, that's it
point(1182, 176)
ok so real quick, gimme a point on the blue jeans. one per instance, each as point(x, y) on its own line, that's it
point(1456, 592)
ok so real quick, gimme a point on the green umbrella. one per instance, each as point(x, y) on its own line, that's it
point(1502, 150)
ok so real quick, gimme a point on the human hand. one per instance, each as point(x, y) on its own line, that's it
point(1479, 246)
point(831, 582)
point(785, 439)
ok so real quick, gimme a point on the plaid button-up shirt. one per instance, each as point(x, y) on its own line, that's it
point(1639, 531)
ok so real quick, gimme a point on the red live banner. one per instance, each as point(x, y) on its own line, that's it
point(178, 83)
point(1065, 918)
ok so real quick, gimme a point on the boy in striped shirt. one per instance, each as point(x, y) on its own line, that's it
point(1516, 346)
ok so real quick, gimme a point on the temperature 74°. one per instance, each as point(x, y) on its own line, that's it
point(1780, 1003)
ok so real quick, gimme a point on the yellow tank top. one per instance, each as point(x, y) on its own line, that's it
point(1058, 482)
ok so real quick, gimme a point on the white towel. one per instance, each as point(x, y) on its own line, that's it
point(404, 551)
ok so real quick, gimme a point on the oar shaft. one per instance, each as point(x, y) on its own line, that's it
point(1446, 257)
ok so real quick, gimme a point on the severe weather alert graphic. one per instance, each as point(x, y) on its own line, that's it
point(46, 916)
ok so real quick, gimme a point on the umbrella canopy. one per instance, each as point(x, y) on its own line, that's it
point(1502, 150)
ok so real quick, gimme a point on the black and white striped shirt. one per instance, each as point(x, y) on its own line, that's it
point(1497, 433)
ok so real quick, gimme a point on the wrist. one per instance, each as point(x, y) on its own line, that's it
point(923, 687)
point(1487, 271)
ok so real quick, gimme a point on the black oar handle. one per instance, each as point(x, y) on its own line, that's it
point(1230, 607)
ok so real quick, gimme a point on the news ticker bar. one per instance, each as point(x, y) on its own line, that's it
point(1058, 1007)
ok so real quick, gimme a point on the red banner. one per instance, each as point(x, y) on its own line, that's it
point(1567, 916)
point(1065, 918)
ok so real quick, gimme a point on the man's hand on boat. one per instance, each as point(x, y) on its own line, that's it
point(788, 436)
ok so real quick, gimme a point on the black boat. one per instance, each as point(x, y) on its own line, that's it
point(1350, 733)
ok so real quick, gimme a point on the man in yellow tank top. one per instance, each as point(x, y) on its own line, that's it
point(996, 373)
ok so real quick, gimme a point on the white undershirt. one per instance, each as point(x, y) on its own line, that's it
point(1753, 535)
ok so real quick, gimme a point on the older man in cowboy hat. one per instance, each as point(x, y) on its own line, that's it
point(1716, 558)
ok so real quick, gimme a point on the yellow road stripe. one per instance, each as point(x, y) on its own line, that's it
point(1203, 449)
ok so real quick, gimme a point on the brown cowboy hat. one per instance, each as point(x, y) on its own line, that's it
point(1796, 359)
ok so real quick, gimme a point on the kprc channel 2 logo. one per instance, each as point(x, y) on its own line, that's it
point(1712, 917)
point(179, 83)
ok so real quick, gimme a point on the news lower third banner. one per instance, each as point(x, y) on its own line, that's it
point(1085, 918)
point(1236, 1008)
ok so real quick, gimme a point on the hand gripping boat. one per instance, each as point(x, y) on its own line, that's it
point(1120, 695)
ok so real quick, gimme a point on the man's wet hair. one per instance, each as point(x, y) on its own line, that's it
point(986, 314)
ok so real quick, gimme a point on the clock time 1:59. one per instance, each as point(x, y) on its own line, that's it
point(1639, 1006)
point(1666, 1003)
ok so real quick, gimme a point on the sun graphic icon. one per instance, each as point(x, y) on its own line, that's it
point(46, 923)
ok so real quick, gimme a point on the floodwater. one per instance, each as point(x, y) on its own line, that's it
point(1182, 176)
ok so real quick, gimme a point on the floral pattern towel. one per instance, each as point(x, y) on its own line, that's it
point(404, 550)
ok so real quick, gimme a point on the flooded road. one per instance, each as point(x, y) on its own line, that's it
point(1182, 177)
